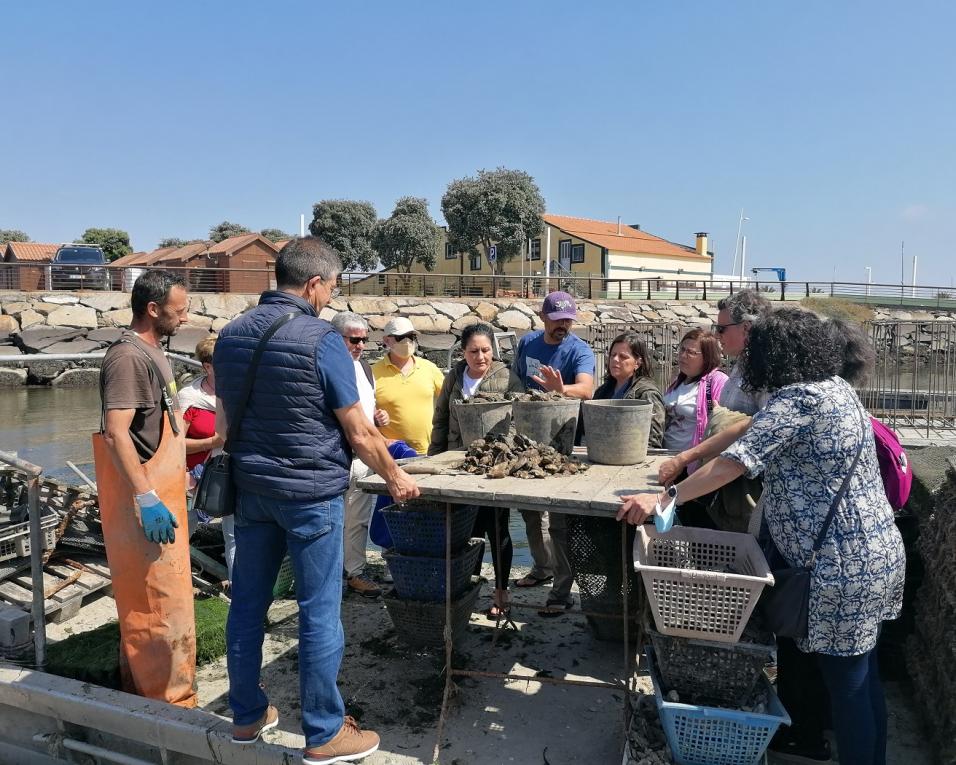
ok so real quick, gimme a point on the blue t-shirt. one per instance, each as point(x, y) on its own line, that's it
point(572, 356)
point(336, 372)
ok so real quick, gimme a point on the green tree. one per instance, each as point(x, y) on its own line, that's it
point(225, 230)
point(408, 236)
point(172, 241)
point(347, 225)
point(501, 207)
point(275, 234)
point(114, 241)
point(12, 235)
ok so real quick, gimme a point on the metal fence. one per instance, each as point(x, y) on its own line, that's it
point(33, 277)
point(913, 383)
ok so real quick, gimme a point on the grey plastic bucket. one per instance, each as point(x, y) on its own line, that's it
point(481, 419)
point(552, 423)
point(617, 430)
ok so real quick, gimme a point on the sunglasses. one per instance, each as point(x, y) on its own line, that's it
point(721, 328)
point(357, 340)
point(406, 337)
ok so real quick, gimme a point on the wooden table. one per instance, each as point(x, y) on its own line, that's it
point(595, 492)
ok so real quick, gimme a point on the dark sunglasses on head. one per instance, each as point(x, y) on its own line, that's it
point(357, 340)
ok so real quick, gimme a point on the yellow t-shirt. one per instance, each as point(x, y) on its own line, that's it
point(408, 399)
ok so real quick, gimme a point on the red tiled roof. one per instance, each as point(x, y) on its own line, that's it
point(128, 259)
point(185, 253)
point(31, 251)
point(605, 234)
point(234, 243)
point(281, 243)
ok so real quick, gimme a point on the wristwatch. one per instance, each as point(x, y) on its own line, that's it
point(671, 492)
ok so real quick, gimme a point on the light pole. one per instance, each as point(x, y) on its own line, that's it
point(740, 224)
point(869, 279)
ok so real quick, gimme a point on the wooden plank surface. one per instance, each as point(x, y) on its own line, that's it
point(596, 491)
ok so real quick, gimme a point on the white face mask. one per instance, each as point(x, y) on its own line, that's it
point(404, 348)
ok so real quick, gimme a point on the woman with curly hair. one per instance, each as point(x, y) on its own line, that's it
point(805, 443)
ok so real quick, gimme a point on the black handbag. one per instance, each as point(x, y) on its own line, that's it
point(216, 493)
point(785, 607)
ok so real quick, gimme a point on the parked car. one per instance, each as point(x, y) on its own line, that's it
point(78, 266)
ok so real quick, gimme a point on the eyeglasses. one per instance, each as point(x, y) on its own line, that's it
point(688, 352)
point(721, 328)
point(357, 340)
point(406, 337)
point(334, 292)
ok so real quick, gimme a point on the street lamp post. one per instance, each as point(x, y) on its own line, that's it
point(740, 224)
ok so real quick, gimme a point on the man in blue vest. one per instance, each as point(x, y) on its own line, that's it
point(553, 359)
point(291, 461)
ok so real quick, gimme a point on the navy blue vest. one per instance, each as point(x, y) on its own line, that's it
point(291, 445)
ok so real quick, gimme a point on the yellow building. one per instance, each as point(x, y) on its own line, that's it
point(601, 259)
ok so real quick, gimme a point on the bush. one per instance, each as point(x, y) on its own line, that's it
point(836, 308)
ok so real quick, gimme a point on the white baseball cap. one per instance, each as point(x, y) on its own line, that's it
point(399, 326)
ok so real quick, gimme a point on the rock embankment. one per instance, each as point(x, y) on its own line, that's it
point(61, 322)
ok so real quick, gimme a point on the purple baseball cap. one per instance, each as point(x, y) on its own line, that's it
point(559, 305)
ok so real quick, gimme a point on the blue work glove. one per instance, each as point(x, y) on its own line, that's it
point(158, 522)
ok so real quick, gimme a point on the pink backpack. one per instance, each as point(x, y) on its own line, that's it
point(894, 465)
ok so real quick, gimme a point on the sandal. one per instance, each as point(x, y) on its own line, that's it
point(555, 608)
point(532, 581)
point(496, 612)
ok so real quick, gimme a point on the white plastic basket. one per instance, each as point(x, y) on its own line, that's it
point(701, 583)
point(15, 539)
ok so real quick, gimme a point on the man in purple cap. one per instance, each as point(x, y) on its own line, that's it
point(553, 359)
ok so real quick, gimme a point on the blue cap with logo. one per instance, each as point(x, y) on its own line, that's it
point(559, 305)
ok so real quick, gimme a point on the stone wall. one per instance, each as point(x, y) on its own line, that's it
point(60, 322)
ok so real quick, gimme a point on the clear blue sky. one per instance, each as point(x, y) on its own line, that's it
point(833, 124)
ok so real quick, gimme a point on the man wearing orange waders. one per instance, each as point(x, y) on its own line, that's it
point(140, 473)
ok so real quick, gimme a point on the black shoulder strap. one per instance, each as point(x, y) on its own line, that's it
point(838, 498)
point(166, 401)
point(709, 393)
point(368, 372)
point(235, 421)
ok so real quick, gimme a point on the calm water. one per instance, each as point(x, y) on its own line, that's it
point(48, 426)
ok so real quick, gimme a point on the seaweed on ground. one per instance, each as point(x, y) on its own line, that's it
point(93, 656)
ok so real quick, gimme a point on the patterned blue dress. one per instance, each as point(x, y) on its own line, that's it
point(803, 442)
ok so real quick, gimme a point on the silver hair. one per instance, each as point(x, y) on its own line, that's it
point(746, 305)
point(345, 319)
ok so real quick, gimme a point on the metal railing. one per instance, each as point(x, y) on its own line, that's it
point(33, 473)
point(913, 384)
point(34, 277)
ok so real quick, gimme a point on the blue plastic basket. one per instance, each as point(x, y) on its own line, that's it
point(418, 528)
point(420, 623)
point(423, 578)
point(699, 735)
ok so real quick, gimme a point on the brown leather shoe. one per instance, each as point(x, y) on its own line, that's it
point(351, 743)
point(364, 587)
point(249, 734)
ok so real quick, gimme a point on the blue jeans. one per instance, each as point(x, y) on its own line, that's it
point(858, 707)
point(312, 533)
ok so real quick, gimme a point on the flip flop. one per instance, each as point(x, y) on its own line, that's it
point(532, 581)
point(555, 609)
point(497, 612)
